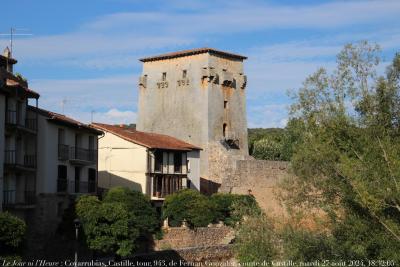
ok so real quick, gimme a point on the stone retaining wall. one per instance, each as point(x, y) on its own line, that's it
point(196, 256)
point(182, 237)
point(261, 178)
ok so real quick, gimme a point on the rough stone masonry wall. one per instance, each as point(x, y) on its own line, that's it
point(196, 256)
point(182, 237)
point(262, 178)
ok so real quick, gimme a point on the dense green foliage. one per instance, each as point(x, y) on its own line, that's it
point(348, 160)
point(199, 210)
point(188, 205)
point(12, 230)
point(12, 233)
point(255, 240)
point(273, 143)
point(116, 223)
point(345, 154)
point(230, 208)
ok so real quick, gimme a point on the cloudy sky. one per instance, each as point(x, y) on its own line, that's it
point(85, 53)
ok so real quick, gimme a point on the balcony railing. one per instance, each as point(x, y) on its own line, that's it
point(11, 197)
point(62, 185)
point(10, 158)
point(31, 124)
point(30, 161)
point(13, 118)
point(8, 197)
point(63, 151)
point(65, 186)
point(164, 185)
point(77, 153)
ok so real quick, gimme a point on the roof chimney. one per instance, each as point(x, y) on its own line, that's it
point(7, 54)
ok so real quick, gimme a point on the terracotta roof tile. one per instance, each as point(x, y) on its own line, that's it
point(64, 119)
point(150, 140)
point(23, 85)
point(192, 52)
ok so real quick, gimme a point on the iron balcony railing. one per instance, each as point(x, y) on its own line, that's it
point(63, 152)
point(78, 153)
point(30, 161)
point(11, 197)
point(74, 187)
point(8, 197)
point(13, 118)
point(11, 158)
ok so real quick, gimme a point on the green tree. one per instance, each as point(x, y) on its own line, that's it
point(12, 233)
point(144, 216)
point(12, 230)
point(347, 161)
point(115, 224)
point(255, 240)
point(230, 208)
point(189, 205)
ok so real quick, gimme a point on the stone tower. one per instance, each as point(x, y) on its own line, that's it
point(198, 96)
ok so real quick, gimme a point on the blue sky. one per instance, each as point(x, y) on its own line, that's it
point(86, 52)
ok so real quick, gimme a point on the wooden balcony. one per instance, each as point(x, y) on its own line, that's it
point(166, 184)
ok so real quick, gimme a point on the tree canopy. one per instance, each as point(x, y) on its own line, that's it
point(347, 157)
point(115, 224)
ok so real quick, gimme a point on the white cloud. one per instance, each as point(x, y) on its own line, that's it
point(268, 116)
point(115, 116)
point(86, 95)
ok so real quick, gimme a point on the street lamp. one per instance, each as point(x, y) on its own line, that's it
point(77, 224)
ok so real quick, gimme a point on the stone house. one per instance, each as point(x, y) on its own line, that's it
point(154, 164)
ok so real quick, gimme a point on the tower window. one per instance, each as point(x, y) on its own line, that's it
point(225, 104)
point(164, 76)
point(184, 74)
point(224, 129)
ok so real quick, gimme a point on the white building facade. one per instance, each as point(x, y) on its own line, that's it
point(154, 164)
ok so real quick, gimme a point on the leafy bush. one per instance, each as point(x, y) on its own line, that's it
point(230, 208)
point(139, 205)
point(191, 206)
point(255, 240)
point(12, 230)
point(116, 223)
point(304, 245)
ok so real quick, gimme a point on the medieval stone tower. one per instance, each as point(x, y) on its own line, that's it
point(198, 96)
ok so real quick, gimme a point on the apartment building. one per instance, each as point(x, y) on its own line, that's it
point(18, 139)
point(67, 158)
point(154, 164)
point(46, 160)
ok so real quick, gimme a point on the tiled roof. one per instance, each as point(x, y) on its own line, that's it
point(193, 52)
point(56, 117)
point(13, 82)
point(149, 140)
